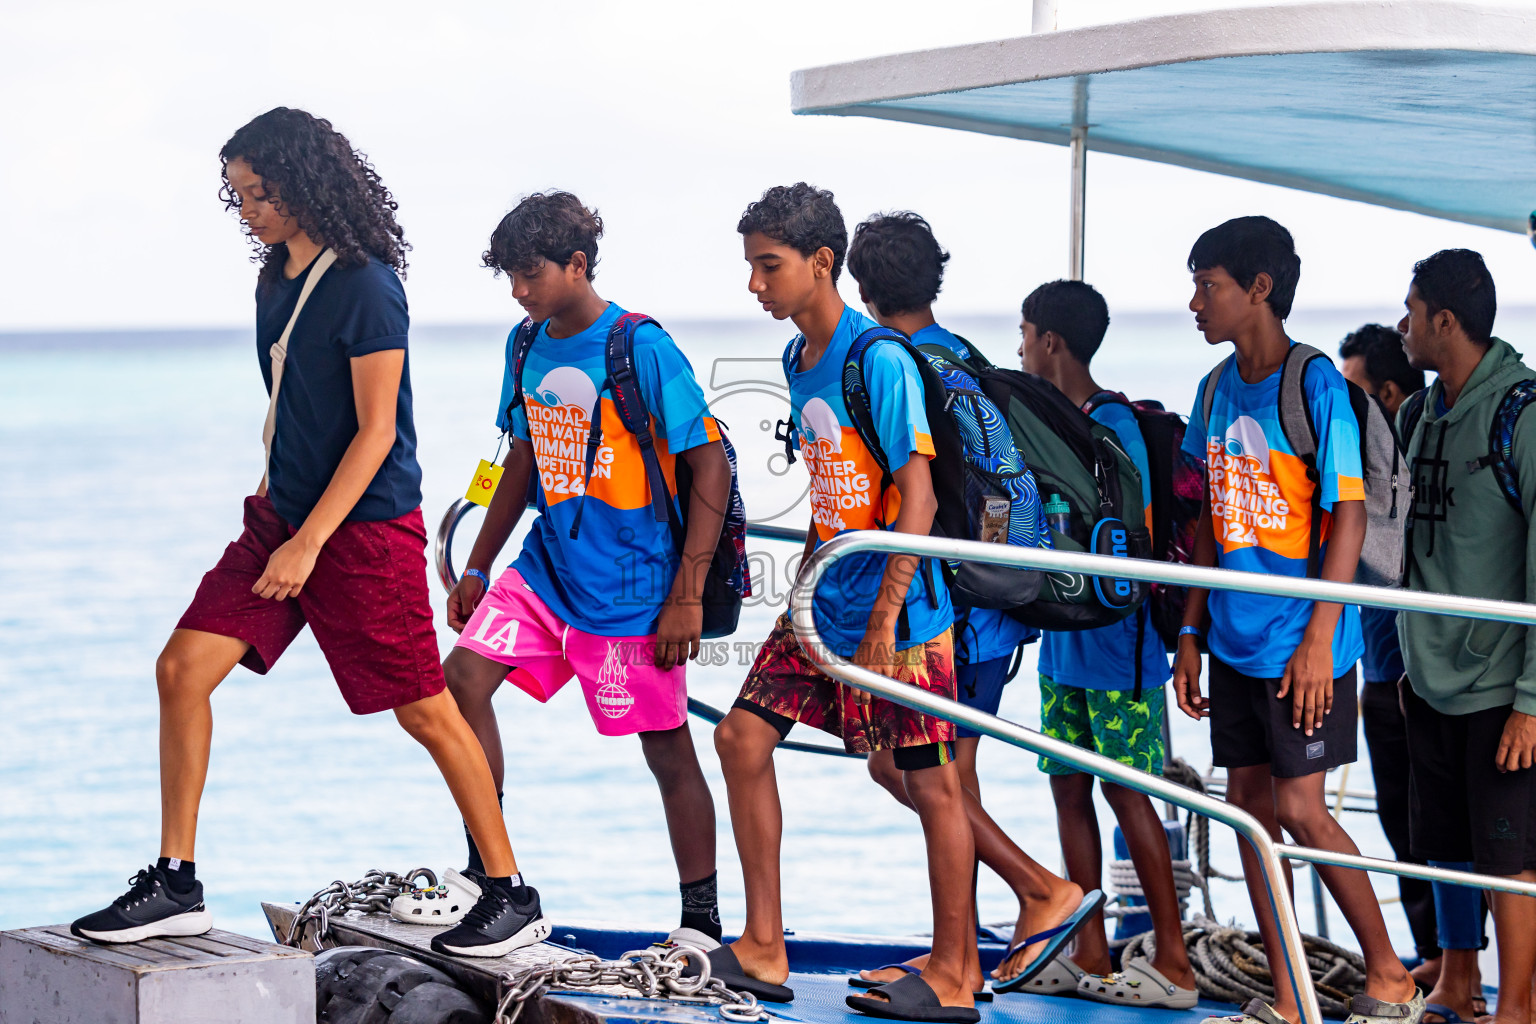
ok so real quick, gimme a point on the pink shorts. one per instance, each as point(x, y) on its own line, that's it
point(626, 693)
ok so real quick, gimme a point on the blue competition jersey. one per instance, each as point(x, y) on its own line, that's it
point(1261, 509)
point(613, 577)
point(1105, 658)
point(353, 311)
point(845, 481)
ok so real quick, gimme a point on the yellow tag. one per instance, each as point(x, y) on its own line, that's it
point(484, 484)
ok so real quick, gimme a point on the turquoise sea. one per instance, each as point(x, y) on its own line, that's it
point(123, 461)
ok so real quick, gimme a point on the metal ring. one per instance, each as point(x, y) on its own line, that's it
point(442, 550)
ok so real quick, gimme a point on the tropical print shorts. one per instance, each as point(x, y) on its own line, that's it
point(785, 687)
point(1107, 722)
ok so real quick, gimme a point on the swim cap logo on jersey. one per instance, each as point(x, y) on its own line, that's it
point(819, 427)
point(1245, 440)
point(613, 697)
point(566, 385)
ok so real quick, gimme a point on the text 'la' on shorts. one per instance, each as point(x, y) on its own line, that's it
point(1107, 722)
point(366, 601)
point(626, 693)
point(785, 687)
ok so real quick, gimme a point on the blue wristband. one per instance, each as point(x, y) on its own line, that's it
point(1193, 631)
point(485, 583)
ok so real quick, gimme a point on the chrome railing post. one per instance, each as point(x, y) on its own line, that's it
point(1265, 848)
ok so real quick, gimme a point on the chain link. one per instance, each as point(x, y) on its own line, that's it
point(654, 975)
point(371, 894)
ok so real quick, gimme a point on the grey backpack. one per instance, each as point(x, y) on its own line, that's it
point(1381, 459)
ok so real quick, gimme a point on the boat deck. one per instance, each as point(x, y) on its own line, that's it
point(823, 963)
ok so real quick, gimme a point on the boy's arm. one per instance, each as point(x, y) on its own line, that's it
point(501, 518)
point(376, 391)
point(682, 615)
point(1309, 673)
point(1186, 662)
point(877, 652)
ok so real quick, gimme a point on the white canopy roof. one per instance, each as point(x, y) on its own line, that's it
point(1424, 105)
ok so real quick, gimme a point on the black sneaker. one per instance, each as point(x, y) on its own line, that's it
point(149, 909)
point(495, 926)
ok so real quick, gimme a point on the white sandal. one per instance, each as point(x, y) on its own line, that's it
point(1059, 977)
point(444, 904)
point(1137, 984)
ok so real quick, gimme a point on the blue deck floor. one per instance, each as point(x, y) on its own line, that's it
point(822, 964)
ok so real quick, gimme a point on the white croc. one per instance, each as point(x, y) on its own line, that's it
point(440, 906)
point(1137, 984)
point(1060, 977)
point(686, 937)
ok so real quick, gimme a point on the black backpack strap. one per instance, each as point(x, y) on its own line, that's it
point(522, 343)
point(1408, 419)
point(624, 384)
point(1301, 434)
point(784, 430)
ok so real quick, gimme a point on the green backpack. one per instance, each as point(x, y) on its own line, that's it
point(1090, 495)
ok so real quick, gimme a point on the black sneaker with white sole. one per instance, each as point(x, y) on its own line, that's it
point(495, 925)
point(149, 909)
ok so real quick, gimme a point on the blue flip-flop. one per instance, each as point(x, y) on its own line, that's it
point(1058, 938)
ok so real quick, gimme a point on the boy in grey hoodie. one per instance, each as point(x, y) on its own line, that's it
point(1471, 703)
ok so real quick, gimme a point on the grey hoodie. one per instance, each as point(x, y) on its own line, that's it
point(1467, 539)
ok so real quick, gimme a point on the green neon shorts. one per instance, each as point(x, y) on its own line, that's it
point(1106, 722)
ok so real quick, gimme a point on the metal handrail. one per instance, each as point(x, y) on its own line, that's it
point(1267, 850)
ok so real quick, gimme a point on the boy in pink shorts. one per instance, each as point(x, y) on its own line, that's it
point(600, 591)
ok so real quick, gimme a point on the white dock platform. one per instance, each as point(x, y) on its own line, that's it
point(47, 976)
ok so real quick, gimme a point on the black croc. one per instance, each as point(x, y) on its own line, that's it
point(911, 998)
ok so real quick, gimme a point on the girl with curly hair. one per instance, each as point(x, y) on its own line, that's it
point(333, 537)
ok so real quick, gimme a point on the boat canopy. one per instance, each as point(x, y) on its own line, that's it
point(1418, 105)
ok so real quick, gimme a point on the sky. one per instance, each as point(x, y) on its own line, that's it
point(669, 117)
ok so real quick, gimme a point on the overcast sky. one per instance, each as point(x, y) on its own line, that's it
point(667, 116)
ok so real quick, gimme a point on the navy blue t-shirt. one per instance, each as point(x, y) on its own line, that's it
point(1383, 661)
point(353, 311)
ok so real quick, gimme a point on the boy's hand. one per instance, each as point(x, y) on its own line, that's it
point(1186, 679)
point(678, 630)
point(876, 652)
point(287, 569)
point(1309, 680)
point(463, 599)
point(1517, 747)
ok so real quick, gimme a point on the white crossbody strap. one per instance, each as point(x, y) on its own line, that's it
point(279, 350)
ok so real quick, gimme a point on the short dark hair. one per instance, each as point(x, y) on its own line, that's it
point(1075, 311)
point(897, 262)
point(1382, 349)
point(1458, 280)
point(803, 217)
point(1246, 247)
point(551, 226)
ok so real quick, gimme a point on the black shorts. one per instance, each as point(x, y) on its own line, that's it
point(1251, 726)
point(1461, 807)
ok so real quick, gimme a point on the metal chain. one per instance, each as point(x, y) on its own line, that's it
point(371, 894)
point(654, 975)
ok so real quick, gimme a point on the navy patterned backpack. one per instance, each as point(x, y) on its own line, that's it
point(985, 491)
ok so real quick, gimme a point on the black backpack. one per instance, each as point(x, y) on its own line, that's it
point(728, 579)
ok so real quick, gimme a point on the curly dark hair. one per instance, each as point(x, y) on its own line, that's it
point(330, 188)
point(803, 217)
point(897, 262)
point(551, 226)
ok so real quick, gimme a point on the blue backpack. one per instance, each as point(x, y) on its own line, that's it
point(728, 580)
point(984, 490)
point(1501, 436)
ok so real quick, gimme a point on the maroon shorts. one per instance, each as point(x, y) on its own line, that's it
point(366, 601)
point(785, 687)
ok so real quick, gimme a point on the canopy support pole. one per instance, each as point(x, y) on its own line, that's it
point(1079, 149)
